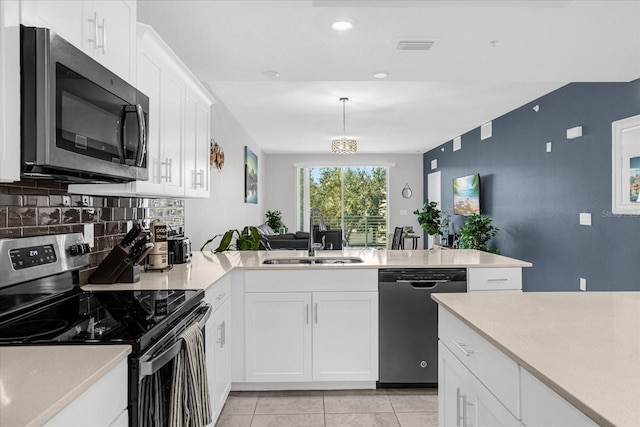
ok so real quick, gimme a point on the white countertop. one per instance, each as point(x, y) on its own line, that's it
point(583, 345)
point(206, 268)
point(36, 382)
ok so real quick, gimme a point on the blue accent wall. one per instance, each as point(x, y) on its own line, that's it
point(535, 197)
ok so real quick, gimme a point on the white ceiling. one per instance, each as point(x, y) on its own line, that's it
point(429, 97)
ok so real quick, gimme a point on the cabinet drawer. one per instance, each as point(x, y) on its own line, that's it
point(495, 370)
point(542, 406)
point(219, 293)
point(494, 279)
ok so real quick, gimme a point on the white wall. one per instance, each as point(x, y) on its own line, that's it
point(226, 209)
point(280, 188)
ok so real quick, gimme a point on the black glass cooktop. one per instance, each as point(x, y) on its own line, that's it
point(100, 317)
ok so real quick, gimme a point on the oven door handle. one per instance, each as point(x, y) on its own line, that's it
point(149, 367)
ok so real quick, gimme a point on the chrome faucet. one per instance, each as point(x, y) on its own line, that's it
point(321, 227)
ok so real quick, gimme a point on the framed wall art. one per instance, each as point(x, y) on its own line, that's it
point(625, 153)
point(250, 176)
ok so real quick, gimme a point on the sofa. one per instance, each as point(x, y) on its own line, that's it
point(300, 239)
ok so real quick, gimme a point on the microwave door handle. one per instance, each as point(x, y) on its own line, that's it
point(142, 136)
point(124, 111)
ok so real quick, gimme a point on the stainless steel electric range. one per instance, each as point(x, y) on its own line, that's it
point(42, 304)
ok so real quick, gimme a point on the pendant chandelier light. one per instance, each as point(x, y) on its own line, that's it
point(344, 145)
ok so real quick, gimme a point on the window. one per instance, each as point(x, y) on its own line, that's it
point(353, 199)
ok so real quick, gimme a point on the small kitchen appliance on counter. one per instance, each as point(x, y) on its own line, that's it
point(42, 304)
point(158, 258)
point(179, 249)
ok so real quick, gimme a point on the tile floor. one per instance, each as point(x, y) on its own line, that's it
point(336, 408)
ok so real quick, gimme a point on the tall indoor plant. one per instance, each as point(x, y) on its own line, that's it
point(476, 233)
point(274, 220)
point(429, 218)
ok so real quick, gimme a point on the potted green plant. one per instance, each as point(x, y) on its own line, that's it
point(274, 220)
point(476, 232)
point(429, 218)
point(246, 240)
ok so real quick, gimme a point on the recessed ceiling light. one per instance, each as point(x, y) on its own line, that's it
point(381, 75)
point(271, 74)
point(343, 24)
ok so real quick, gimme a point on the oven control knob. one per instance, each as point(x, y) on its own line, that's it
point(79, 249)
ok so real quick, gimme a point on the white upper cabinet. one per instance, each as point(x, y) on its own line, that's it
point(104, 30)
point(197, 144)
point(9, 90)
point(179, 126)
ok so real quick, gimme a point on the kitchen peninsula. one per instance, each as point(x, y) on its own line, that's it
point(561, 358)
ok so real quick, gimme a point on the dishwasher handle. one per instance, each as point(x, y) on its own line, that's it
point(423, 284)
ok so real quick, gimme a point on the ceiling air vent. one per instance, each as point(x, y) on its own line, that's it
point(415, 45)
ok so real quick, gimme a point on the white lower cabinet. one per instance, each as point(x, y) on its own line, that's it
point(542, 407)
point(311, 336)
point(303, 326)
point(478, 385)
point(217, 346)
point(103, 404)
point(463, 399)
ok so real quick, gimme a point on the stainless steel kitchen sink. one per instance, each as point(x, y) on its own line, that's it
point(322, 260)
point(338, 260)
point(288, 261)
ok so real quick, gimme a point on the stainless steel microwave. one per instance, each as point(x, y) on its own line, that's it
point(79, 121)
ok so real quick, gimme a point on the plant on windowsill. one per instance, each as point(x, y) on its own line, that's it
point(274, 220)
point(246, 240)
point(476, 232)
point(429, 218)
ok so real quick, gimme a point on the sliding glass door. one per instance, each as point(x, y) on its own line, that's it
point(353, 199)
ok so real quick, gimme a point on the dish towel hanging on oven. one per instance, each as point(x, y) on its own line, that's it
point(189, 398)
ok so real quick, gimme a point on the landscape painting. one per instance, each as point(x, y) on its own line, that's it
point(250, 176)
point(466, 195)
point(634, 179)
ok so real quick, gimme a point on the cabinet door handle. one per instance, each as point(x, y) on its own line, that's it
point(463, 348)
point(194, 179)
point(223, 332)
point(504, 279)
point(316, 310)
point(102, 46)
point(464, 411)
point(167, 163)
point(458, 416)
point(94, 40)
point(201, 180)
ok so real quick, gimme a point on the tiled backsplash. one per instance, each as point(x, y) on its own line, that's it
point(34, 208)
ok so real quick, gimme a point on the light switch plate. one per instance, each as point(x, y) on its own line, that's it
point(548, 147)
point(583, 284)
point(434, 164)
point(585, 218)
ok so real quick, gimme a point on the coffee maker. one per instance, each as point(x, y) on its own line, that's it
point(158, 256)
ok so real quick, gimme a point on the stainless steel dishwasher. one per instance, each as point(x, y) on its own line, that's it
point(409, 323)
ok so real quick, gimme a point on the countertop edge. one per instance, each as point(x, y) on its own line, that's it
point(83, 386)
point(584, 408)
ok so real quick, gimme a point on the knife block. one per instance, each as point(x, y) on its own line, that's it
point(113, 266)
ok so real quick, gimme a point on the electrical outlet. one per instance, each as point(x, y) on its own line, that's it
point(548, 147)
point(129, 225)
point(583, 284)
point(403, 211)
point(88, 235)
